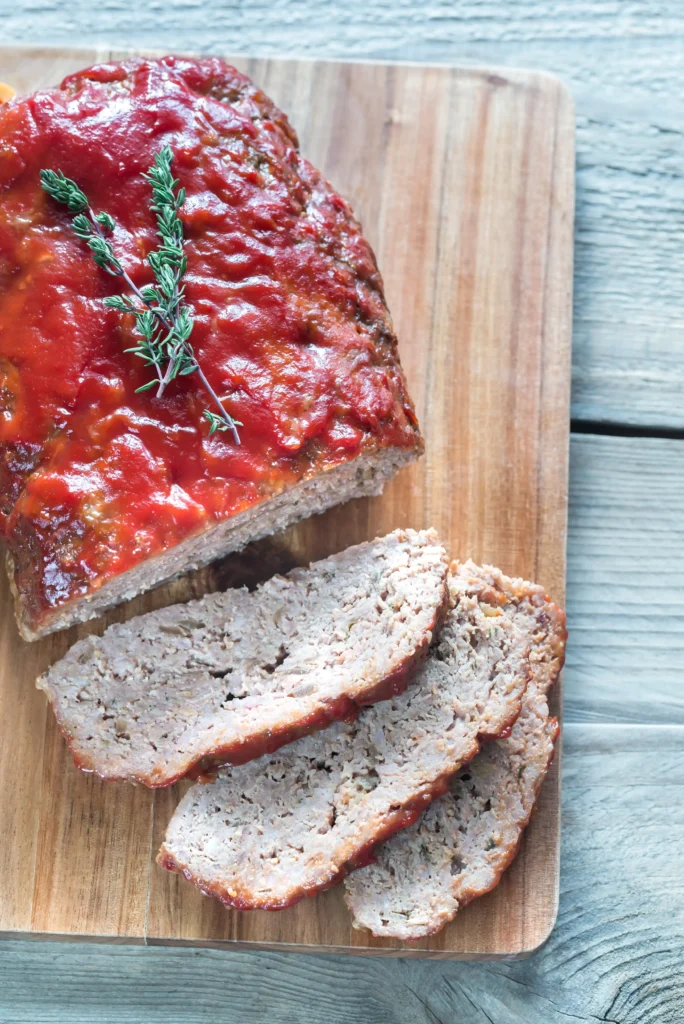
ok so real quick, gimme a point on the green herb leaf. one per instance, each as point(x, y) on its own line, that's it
point(217, 422)
point(119, 302)
point(82, 226)
point(162, 320)
point(64, 190)
point(149, 293)
point(106, 222)
point(103, 254)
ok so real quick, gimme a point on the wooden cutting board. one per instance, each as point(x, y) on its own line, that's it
point(463, 180)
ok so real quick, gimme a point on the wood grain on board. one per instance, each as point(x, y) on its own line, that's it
point(463, 180)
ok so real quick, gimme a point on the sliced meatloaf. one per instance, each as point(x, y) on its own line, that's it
point(266, 834)
point(236, 674)
point(464, 841)
point(106, 491)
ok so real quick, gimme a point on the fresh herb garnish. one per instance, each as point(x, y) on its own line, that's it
point(162, 319)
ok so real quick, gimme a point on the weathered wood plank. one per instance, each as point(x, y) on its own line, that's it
point(615, 955)
point(625, 571)
point(625, 66)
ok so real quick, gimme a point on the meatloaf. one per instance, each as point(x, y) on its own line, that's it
point(266, 834)
point(234, 675)
point(464, 841)
point(106, 492)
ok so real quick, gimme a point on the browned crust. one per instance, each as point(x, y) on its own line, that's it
point(545, 670)
point(251, 747)
point(495, 588)
point(32, 628)
point(471, 894)
point(400, 818)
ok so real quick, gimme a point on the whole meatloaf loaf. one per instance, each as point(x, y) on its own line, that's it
point(464, 841)
point(266, 834)
point(106, 492)
point(234, 675)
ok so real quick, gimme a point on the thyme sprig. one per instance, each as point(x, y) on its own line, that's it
point(162, 318)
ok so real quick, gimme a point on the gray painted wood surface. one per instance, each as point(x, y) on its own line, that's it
point(625, 594)
point(617, 954)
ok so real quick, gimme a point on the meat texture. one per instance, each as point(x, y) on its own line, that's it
point(236, 674)
point(464, 841)
point(266, 834)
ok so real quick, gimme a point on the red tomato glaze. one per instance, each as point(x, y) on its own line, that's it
point(290, 323)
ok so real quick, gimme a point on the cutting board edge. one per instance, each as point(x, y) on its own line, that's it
point(102, 50)
point(566, 101)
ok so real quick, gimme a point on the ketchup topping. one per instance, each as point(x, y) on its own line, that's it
point(291, 327)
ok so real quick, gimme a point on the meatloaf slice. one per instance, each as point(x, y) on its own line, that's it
point(464, 841)
point(106, 491)
point(266, 834)
point(234, 675)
